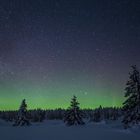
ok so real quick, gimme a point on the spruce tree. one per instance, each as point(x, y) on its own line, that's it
point(22, 115)
point(131, 107)
point(98, 114)
point(73, 115)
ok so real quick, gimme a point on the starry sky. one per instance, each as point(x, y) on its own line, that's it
point(51, 50)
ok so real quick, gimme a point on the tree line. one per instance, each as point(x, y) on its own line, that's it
point(129, 113)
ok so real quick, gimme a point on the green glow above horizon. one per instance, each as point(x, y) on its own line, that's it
point(51, 50)
point(57, 96)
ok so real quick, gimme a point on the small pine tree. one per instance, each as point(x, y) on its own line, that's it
point(22, 115)
point(73, 115)
point(131, 108)
point(97, 116)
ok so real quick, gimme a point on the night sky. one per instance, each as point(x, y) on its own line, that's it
point(51, 50)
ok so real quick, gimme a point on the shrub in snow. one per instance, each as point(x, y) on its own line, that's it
point(74, 115)
point(131, 106)
point(22, 115)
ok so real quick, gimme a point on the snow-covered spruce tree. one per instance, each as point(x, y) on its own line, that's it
point(22, 115)
point(131, 107)
point(74, 116)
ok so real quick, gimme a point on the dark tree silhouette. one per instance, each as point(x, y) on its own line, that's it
point(131, 107)
point(73, 115)
point(38, 115)
point(97, 117)
point(22, 115)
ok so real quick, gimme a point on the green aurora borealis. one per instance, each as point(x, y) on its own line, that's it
point(58, 94)
point(53, 49)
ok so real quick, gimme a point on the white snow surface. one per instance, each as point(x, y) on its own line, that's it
point(56, 130)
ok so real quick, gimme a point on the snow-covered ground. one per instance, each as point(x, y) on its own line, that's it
point(56, 130)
